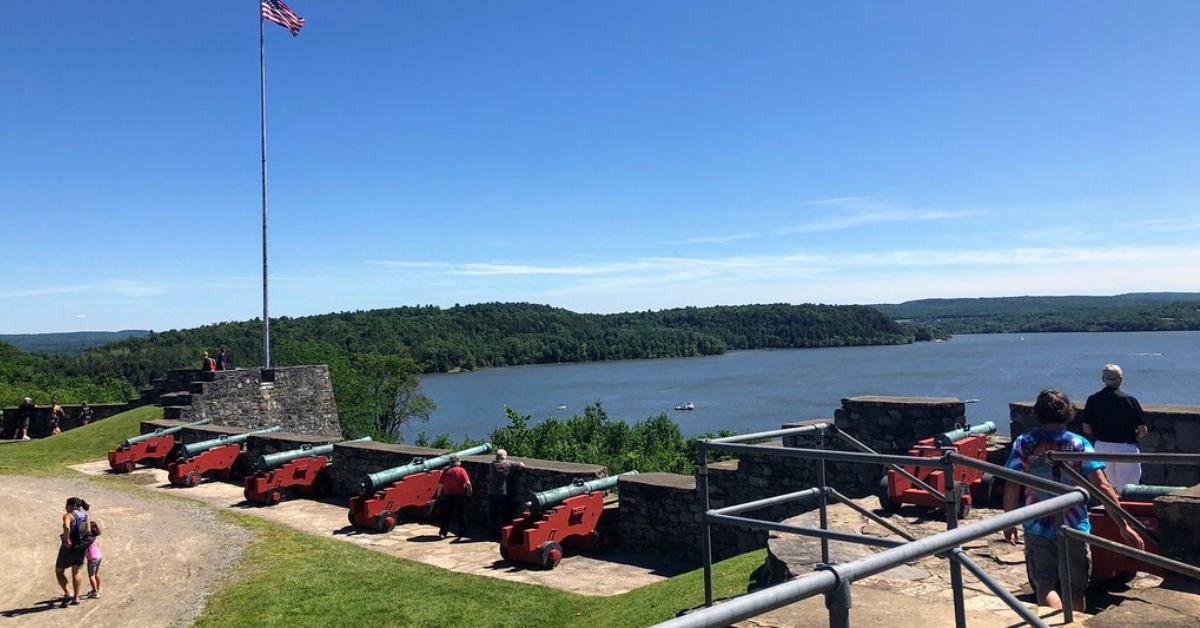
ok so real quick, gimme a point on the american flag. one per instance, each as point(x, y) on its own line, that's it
point(280, 13)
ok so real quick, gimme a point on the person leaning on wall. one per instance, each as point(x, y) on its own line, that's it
point(1114, 420)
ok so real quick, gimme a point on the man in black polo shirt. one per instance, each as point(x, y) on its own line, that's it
point(1113, 420)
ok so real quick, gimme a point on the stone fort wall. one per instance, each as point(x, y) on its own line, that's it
point(298, 398)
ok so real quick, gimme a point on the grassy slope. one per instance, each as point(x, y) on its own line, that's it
point(83, 444)
point(289, 575)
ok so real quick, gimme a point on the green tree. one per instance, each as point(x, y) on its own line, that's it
point(386, 396)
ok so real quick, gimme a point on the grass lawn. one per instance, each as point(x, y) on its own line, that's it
point(82, 444)
point(289, 577)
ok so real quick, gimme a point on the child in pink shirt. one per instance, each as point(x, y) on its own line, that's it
point(93, 561)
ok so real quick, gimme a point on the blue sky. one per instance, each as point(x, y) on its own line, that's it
point(597, 156)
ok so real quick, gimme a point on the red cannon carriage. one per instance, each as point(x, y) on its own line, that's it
point(408, 489)
point(154, 446)
point(1137, 500)
point(302, 470)
point(217, 455)
point(895, 489)
point(564, 516)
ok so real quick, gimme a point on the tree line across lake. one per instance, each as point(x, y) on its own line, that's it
point(375, 356)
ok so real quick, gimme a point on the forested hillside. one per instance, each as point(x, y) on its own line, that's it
point(499, 334)
point(68, 342)
point(374, 356)
point(23, 374)
point(1149, 311)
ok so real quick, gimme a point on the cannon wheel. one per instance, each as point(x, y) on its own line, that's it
point(551, 553)
point(885, 500)
point(503, 551)
point(964, 508)
point(275, 496)
point(127, 466)
point(385, 521)
point(350, 517)
point(191, 479)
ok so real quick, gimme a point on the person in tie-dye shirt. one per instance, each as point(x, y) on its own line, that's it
point(1054, 410)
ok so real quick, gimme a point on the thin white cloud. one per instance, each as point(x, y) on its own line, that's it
point(81, 316)
point(863, 218)
point(120, 287)
point(837, 200)
point(1165, 224)
point(720, 239)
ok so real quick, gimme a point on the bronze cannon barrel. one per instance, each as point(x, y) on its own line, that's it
point(224, 439)
point(379, 479)
point(947, 438)
point(545, 500)
point(266, 462)
point(163, 431)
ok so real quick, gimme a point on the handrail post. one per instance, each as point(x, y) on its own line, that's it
point(706, 543)
point(1064, 571)
point(838, 600)
point(823, 500)
point(956, 579)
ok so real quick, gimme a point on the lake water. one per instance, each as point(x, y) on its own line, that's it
point(750, 391)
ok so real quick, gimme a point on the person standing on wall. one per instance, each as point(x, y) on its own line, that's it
point(207, 363)
point(499, 503)
point(1113, 419)
point(223, 360)
point(85, 414)
point(452, 500)
point(57, 415)
point(24, 414)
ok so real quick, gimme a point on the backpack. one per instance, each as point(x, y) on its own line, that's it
point(81, 533)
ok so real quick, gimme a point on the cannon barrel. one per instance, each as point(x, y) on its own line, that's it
point(224, 439)
point(545, 500)
point(1147, 492)
point(380, 479)
point(947, 438)
point(266, 462)
point(162, 431)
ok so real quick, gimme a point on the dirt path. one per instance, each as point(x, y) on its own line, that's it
point(611, 574)
point(161, 557)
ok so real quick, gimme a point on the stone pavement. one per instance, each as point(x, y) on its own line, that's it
point(611, 574)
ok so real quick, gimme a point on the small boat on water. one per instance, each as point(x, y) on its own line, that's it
point(686, 406)
point(562, 406)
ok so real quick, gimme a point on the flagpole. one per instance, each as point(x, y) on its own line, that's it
point(262, 97)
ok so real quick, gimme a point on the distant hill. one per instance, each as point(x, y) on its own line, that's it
point(500, 334)
point(1138, 311)
point(70, 342)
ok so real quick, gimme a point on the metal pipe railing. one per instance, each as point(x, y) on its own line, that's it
point(1148, 457)
point(893, 528)
point(770, 434)
point(1110, 504)
point(863, 447)
point(944, 541)
point(1030, 616)
point(826, 454)
point(832, 535)
point(824, 581)
point(1020, 477)
point(768, 501)
point(1134, 553)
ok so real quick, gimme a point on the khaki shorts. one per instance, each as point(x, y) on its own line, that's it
point(1041, 558)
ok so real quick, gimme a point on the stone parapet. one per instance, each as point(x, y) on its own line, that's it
point(660, 514)
point(39, 423)
point(892, 425)
point(1173, 429)
point(298, 398)
point(1177, 516)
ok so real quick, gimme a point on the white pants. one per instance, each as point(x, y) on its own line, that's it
point(1120, 473)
